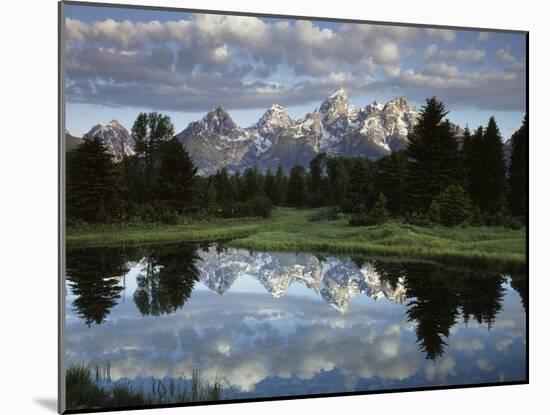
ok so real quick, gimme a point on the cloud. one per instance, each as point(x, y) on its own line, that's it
point(463, 55)
point(483, 36)
point(448, 36)
point(247, 62)
point(505, 56)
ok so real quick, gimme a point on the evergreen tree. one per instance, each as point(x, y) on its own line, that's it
point(433, 154)
point(296, 195)
point(518, 171)
point(174, 185)
point(357, 189)
point(252, 183)
point(378, 214)
point(390, 178)
point(224, 190)
point(451, 207)
point(269, 186)
point(281, 184)
point(338, 179)
point(316, 173)
point(488, 169)
point(93, 184)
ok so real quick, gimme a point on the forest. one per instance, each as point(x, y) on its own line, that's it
point(439, 178)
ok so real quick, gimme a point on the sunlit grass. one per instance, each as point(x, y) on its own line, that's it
point(290, 230)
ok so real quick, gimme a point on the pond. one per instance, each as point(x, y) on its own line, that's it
point(278, 324)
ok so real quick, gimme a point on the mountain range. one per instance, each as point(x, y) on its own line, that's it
point(335, 127)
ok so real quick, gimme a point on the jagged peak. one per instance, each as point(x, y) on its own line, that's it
point(401, 101)
point(339, 93)
point(114, 122)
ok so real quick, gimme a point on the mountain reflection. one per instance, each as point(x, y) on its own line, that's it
point(435, 297)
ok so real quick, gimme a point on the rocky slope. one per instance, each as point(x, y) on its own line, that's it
point(335, 127)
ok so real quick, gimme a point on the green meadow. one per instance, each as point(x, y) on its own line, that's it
point(293, 230)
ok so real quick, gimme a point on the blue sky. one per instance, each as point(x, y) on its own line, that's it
point(123, 61)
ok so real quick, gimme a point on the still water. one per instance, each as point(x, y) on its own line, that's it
point(273, 324)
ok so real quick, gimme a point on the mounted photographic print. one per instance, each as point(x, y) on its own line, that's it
point(258, 207)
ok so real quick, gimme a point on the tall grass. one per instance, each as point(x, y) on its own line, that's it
point(292, 230)
point(85, 392)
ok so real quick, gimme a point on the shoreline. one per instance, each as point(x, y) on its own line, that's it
point(291, 230)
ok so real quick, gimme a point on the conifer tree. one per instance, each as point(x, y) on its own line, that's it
point(518, 171)
point(378, 214)
point(433, 155)
point(296, 195)
point(269, 186)
point(281, 184)
point(390, 178)
point(174, 179)
point(94, 185)
point(488, 169)
point(451, 207)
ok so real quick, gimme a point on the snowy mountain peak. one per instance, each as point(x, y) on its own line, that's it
point(400, 102)
point(273, 120)
point(219, 121)
point(339, 93)
point(114, 137)
point(336, 102)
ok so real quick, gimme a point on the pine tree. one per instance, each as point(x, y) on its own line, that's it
point(269, 186)
point(94, 186)
point(433, 155)
point(451, 207)
point(281, 185)
point(223, 187)
point(378, 214)
point(296, 195)
point(488, 169)
point(176, 172)
point(338, 179)
point(518, 171)
point(355, 200)
point(390, 178)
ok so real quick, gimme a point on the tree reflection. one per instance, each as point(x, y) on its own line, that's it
point(433, 306)
point(481, 297)
point(438, 295)
point(93, 275)
point(519, 283)
point(167, 279)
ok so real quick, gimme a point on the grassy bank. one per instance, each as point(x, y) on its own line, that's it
point(290, 230)
point(84, 393)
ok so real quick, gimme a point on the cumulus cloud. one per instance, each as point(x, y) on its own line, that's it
point(248, 62)
point(463, 55)
point(448, 36)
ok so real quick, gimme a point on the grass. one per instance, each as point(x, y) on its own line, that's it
point(84, 393)
point(290, 230)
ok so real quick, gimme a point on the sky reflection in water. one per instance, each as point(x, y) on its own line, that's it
point(271, 324)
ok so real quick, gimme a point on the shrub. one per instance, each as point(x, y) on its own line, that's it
point(359, 219)
point(379, 214)
point(260, 206)
point(418, 219)
point(327, 214)
point(451, 207)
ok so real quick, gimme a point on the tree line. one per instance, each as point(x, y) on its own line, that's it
point(438, 178)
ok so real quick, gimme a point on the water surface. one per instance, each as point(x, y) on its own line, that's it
point(273, 324)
